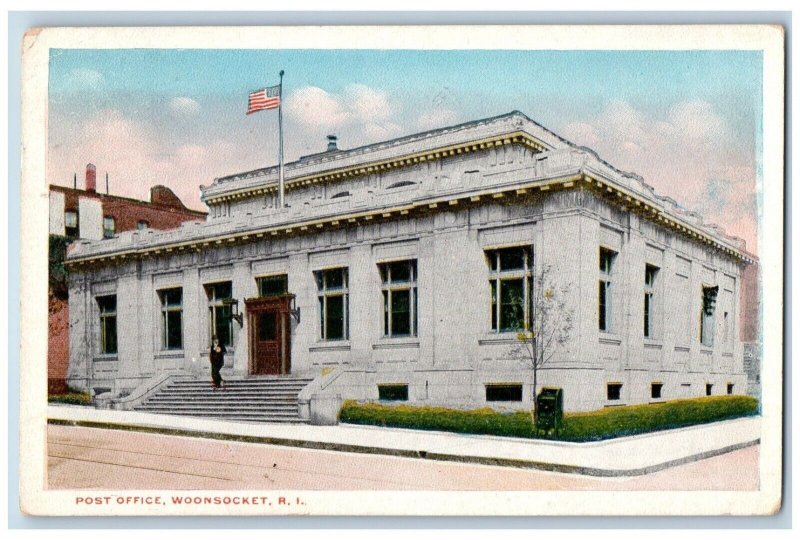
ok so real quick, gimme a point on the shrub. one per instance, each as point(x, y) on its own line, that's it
point(597, 425)
point(71, 398)
point(636, 419)
point(481, 421)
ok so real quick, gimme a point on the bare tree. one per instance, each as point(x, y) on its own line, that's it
point(549, 327)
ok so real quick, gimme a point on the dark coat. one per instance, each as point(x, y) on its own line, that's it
point(217, 357)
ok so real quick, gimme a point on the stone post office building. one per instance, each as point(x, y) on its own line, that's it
point(402, 270)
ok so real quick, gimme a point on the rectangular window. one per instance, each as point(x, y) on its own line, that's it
point(171, 318)
point(730, 389)
point(332, 294)
point(604, 321)
point(655, 390)
point(71, 224)
point(142, 225)
point(511, 288)
point(393, 392)
point(219, 312)
point(503, 392)
point(108, 324)
point(613, 391)
point(650, 273)
point(273, 285)
point(709, 305)
point(709, 389)
point(109, 227)
point(399, 288)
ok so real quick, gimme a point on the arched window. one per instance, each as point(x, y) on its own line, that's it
point(401, 184)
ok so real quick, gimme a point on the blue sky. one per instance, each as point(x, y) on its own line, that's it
point(687, 121)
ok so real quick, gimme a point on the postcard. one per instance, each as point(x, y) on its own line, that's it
point(446, 271)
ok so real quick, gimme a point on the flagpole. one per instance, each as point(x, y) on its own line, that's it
point(280, 144)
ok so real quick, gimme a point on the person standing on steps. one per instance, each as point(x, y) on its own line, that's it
point(217, 357)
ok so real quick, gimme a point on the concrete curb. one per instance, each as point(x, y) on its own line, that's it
point(419, 454)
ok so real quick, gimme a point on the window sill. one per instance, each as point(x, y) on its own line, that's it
point(170, 354)
point(653, 343)
point(397, 343)
point(612, 339)
point(329, 346)
point(498, 338)
point(615, 403)
point(705, 350)
point(106, 358)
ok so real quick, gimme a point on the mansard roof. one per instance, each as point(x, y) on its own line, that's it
point(570, 165)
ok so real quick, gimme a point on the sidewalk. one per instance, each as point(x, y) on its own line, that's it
point(627, 456)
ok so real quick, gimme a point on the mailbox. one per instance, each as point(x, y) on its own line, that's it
point(550, 410)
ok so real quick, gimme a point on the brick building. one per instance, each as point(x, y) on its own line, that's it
point(87, 214)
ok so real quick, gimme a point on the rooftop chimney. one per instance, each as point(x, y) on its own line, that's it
point(91, 178)
point(332, 143)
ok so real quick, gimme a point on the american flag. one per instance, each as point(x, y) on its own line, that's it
point(267, 98)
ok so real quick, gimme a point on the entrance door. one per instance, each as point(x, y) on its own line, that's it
point(270, 332)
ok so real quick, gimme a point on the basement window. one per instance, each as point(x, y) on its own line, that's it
point(709, 389)
point(730, 389)
point(503, 392)
point(655, 390)
point(613, 391)
point(393, 392)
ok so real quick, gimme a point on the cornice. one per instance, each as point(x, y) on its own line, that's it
point(626, 199)
point(371, 167)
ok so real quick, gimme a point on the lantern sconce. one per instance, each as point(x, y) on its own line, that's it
point(235, 315)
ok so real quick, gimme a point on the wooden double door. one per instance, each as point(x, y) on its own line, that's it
point(270, 328)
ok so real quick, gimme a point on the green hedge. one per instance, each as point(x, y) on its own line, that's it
point(597, 425)
point(73, 398)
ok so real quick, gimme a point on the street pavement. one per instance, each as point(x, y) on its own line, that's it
point(111, 459)
point(625, 456)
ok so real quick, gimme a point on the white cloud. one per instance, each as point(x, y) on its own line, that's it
point(184, 106)
point(436, 118)
point(687, 153)
point(314, 107)
point(358, 115)
point(137, 156)
point(367, 104)
point(697, 120)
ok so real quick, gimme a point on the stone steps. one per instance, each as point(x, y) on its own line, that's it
point(261, 399)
